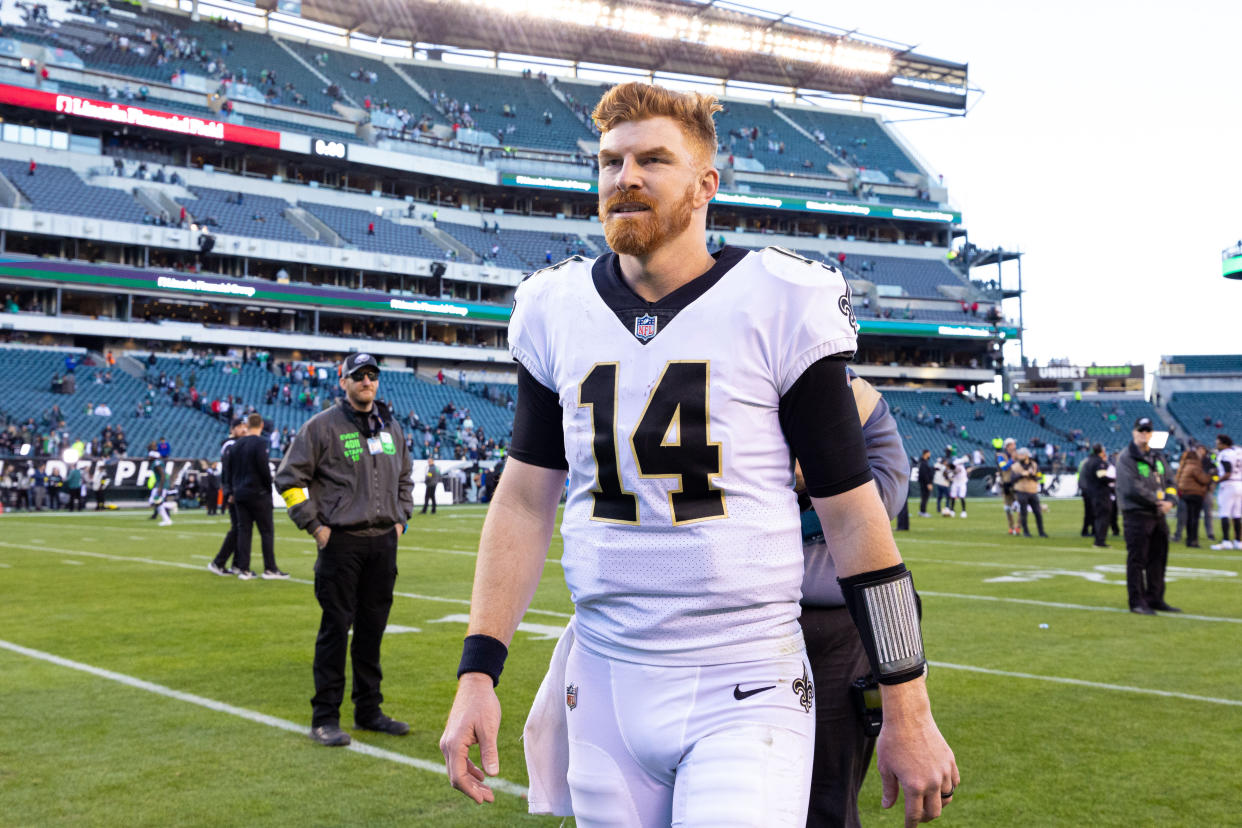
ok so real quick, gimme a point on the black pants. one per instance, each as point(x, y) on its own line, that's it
point(1088, 514)
point(99, 500)
point(228, 549)
point(75, 500)
point(429, 499)
point(1031, 500)
point(925, 495)
point(1101, 511)
point(842, 750)
point(1193, 505)
point(1147, 555)
point(354, 577)
point(255, 511)
point(942, 493)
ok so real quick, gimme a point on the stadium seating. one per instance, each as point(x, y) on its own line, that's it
point(1191, 408)
point(862, 141)
point(1209, 363)
point(488, 93)
point(261, 217)
point(918, 278)
point(60, 190)
point(736, 125)
point(345, 70)
point(482, 244)
point(1107, 422)
point(389, 237)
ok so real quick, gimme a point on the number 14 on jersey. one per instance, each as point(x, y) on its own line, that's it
point(672, 440)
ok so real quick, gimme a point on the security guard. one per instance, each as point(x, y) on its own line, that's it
point(347, 481)
point(1145, 494)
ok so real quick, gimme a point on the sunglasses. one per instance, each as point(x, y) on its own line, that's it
point(359, 376)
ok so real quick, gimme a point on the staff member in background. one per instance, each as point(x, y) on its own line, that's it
point(1097, 498)
point(1145, 495)
point(1026, 476)
point(220, 566)
point(843, 747)
point(251, 481)
point(432, 481)
point(925, 481)
point(348, 481)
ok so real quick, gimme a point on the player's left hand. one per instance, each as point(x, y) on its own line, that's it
point(911, 754)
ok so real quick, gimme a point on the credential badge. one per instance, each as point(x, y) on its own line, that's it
point(571, 696)
point(645, 327)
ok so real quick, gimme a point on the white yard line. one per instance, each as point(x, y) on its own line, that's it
point(200, 568)
point(1059, 605)
point(1120, 688)
point(242, 713)
point(1118, 551)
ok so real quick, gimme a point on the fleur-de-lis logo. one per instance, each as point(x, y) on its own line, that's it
point(805, 690)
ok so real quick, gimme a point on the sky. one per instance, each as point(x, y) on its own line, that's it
point(1105, 147)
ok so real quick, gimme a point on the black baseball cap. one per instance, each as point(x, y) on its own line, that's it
point(234, 422)
point(360, 360)
point(1143, 424)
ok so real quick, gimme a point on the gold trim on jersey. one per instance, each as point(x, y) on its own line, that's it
point(598, 490)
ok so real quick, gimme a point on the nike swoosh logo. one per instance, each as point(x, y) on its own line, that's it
point(739, 693)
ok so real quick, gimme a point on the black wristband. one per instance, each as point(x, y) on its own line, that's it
point(482, 654)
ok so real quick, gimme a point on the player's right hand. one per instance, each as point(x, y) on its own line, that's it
point(322, 535)
point(474, 719)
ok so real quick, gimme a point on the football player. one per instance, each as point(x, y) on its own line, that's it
point(676, 388)
point(1229, 494)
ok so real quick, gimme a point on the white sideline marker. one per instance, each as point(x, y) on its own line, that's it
point(1121, 688)
point(496, 784)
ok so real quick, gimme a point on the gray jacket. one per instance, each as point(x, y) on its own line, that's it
point(332, 476)
point(891, 470)
point(1143, 480)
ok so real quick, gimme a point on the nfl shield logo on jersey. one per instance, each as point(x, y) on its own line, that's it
point(645, 327)
point(571, 696)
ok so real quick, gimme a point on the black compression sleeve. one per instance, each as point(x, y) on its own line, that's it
point(538, 434)
point(820, 421)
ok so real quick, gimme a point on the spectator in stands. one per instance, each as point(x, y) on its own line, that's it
point(33, 167)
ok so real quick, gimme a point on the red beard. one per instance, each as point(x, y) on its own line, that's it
point(640, 235)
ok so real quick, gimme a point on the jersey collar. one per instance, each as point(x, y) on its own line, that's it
point(645, 320)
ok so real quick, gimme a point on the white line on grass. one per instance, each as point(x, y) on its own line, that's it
point(249, 715)
point(1088, 550)
point(199, 568)
point(73, 563)
point(1059, 605)
point(1122, 688)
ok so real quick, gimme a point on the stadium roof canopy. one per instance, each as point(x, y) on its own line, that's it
point(716, 39)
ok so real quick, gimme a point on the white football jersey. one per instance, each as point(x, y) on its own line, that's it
point(682, 536)
point(1233, 456)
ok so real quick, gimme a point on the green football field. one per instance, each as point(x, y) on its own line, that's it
point(136, 688)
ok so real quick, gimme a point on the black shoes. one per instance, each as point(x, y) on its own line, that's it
point(1192, 545)
point(1043, 534)
point(383, 724)
point(1102, 545)
point(1143, 609)
point(330, 735)
point(1163, 607)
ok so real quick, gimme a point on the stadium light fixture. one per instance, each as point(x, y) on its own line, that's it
point(833, 51)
